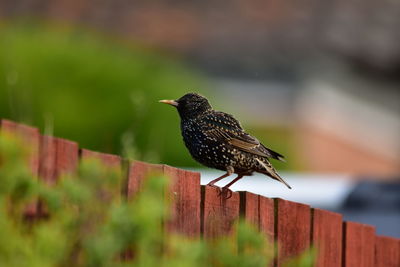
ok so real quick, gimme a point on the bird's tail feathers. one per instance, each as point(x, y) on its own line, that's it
point(273, 154)
point(271, 172)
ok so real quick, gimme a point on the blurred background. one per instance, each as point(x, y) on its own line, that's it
point(318, 81)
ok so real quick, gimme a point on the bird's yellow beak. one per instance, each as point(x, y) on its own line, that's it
point(169, 102)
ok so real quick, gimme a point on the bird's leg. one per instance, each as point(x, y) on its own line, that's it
point(217, 179)
point(229, 171)
point(226, 190)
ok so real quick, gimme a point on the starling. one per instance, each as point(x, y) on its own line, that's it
point(217, 140)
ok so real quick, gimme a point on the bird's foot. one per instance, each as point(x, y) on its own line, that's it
point(225, 192)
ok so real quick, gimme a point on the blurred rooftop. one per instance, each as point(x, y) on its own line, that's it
point(251, 39)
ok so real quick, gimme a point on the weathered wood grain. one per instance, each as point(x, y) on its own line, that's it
point(250, 208)
point(358, 245)
point(293, 229)
point(327, 237)
point(137, 172)
point(387, 252)
point(67, 157)
point(47, 159)
point(267, 217)
point(219, 213)
point(57, 157)
point(185, 194)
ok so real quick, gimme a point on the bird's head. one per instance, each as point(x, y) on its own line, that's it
point(190, 105)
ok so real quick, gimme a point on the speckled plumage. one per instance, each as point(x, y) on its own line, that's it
point(217, 140)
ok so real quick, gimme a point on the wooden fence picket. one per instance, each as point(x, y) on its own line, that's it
point(267, 217)
point(218, 212)
point(387, 252)
point(67, 157)
point(358, 245)
point(31, 138)
point(200, 211)
point(109, 160)
point(113, 165)
point(249, 208)
point(185, 194)
point(48, 152)
point(327, 237)
point(137, 172)
point(292, 230)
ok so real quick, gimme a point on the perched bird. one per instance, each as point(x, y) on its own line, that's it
point(217, 140)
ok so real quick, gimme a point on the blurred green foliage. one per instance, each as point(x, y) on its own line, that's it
point(101, 92)
point(88, 223)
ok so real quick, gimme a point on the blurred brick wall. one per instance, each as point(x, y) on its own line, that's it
point(322, 152)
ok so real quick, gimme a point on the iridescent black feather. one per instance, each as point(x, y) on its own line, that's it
point(217, 140)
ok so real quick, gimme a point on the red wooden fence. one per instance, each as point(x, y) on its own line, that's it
point(200, 211)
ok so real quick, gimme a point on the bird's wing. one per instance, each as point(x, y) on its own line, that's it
point(224, 127)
